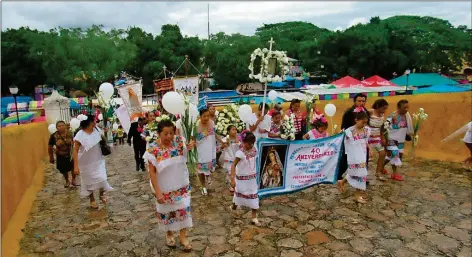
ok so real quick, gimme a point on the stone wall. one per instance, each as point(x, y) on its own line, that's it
point(24, 149)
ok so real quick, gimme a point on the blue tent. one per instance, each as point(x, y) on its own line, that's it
point(423, 79)
point(9, 99)
point(439, 89)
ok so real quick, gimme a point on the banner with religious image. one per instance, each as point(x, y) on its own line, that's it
point(189, 87)
point(132, 96)
point(285, 166)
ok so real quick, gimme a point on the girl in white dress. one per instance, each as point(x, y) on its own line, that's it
point(206, 146)
point(243, 176)
point(356, 143)
point(230, 147)
point(170, 182)
point(90, 162)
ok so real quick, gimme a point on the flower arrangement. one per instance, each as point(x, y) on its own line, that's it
point(150, 129)
point(308, 101)
point(266, 55)
point(287, 130)
point(189, 130)
point(418, 118)
point(228, 116)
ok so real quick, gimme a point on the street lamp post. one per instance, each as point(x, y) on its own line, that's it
point(407, 72)
point(14, 92)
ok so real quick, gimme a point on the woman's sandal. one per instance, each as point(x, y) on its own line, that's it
point(187, 246)
point(341, 186)
point(94, 205)
point(103, 199)
point(381, 177)
point(361, 199)
point(170, 242)
point(67, 185)
point(255, 222)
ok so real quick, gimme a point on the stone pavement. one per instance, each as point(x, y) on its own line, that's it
point(429, 214)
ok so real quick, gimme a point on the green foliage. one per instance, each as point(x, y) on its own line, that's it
point(83, 59)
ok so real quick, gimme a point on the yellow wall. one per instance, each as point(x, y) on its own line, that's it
point(447, 113)
point(24, 148)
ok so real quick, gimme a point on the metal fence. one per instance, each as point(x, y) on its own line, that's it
point(67, 114)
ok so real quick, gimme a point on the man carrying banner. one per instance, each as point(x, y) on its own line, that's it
point(348, 121)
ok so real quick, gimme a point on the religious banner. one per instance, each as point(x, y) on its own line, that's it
point(161, 87)
point(189, 87)
point(132, 96)
point(123, 116)
point(288, 166)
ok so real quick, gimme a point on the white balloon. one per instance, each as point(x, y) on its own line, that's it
point(106, 90)
point(115, 126)
point(52, 128)
point(330, 110)
point(74, 123)
point(173, 103)
point(273, 95)
point(244, 112)
point(193, 111)
point(100, 116)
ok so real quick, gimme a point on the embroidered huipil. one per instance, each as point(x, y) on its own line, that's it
point(297, 121)
point(229, 153)
point(314, 134)
point(396, 138)
point(375, 139)
point(245, 193)
point(206, 147)
point(356, 151)
point(275, 128)
point(173, 180)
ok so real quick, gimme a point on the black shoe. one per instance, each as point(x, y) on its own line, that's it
point(137, 167)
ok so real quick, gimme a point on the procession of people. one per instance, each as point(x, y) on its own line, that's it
point(159, 144)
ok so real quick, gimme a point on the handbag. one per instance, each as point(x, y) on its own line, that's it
point(408, 138)
point(104, 147)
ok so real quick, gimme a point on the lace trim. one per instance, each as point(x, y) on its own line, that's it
point(250, 196)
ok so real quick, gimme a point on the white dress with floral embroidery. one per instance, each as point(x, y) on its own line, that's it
point(93, 173)
point(173, 180)
point(206, 148)
point(356, 151)
point(245, 193)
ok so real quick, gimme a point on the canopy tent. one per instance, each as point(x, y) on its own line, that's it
point(347, 81)
point(278, 84)
point(423, 79)
point(439, 89)
point(377, 81)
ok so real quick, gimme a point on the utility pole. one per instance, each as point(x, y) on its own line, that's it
point(208, 16)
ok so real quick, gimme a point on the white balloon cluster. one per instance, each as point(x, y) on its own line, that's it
point(273, 95)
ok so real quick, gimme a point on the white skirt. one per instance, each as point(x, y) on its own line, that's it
point(357, 175)
point(245, 193)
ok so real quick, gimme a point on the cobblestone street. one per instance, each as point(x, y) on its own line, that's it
point(429, 214)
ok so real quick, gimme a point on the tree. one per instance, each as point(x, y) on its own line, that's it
point(17, 66)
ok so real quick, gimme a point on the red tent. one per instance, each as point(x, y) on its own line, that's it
point(347, 81)
point(376, 81)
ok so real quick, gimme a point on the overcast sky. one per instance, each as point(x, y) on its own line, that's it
point(229, 17)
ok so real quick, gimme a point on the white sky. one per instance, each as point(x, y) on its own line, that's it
point(229, 17)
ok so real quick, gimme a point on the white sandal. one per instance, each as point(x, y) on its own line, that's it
point(255, 222)
point(204, 191)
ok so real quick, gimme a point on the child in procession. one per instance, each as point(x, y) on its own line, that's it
point(230, 147)
point(356, 144)
point(320, 128)
point(276, 123)
point(260, 122)
point(120, 133)
point(243, 176)
point(206, 147)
